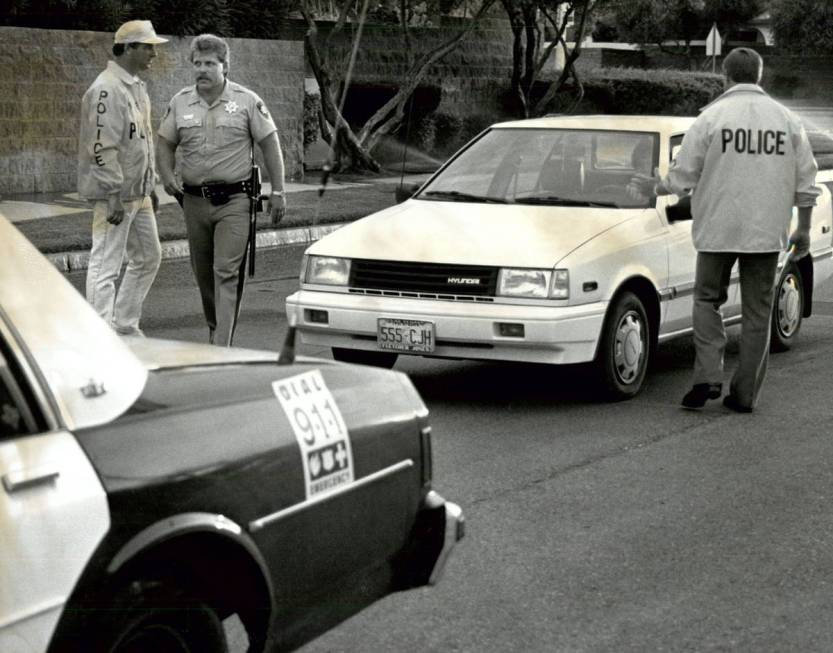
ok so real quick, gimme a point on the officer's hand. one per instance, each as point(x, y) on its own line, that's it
point(172, 187)
point(641, 185)
point(800, 239)
point(115, 209)
point(154, 201)
point(277, 208)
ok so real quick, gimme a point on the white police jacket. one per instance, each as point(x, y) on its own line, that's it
point(115, 148)
point(748, 160)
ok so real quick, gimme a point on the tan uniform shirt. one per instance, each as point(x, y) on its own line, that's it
point(115, 145)
point(214, 143)
point(749, 161)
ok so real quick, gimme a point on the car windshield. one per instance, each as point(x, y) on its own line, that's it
point(554, 167)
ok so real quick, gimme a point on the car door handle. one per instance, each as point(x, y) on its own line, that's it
point(27, 478)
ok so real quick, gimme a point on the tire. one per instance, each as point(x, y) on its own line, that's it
point(625, 348)
point(787, 310)
point(375, 358)
point(155, 617)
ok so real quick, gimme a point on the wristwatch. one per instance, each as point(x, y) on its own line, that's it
point(279, 193)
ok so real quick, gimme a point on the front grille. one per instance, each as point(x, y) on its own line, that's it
point(436, 279)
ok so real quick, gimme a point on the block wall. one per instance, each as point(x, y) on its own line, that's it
point(47, 71)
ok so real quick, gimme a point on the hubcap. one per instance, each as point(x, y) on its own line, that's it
point(629, 350)
point(789, 306)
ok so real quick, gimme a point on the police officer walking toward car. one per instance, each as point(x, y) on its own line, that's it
point(213, 126)
point(747, 161)
point(116, 173)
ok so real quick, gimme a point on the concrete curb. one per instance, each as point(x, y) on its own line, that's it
point(172, 249)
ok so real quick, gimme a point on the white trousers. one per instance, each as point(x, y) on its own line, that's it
point(137, 237)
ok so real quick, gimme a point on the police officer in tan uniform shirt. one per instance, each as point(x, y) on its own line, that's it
point(212, 126)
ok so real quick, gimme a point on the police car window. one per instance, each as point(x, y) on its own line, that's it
point(15, 417)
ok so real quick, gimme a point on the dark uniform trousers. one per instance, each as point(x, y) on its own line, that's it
point(757, 287)
point(217, 238)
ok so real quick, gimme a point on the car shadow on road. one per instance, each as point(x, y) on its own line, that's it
point(534, 384)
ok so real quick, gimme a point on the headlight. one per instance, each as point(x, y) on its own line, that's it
point(328, 270)
point(538, 284)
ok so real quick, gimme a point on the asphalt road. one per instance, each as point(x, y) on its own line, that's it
point(633, 526)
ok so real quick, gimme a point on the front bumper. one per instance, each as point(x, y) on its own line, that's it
point(552, 334)
point(439, 526)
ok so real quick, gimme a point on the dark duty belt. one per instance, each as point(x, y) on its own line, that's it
point(217, 194)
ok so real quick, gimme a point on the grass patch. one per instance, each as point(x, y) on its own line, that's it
point(69, 233)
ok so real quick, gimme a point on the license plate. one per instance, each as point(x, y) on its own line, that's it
point(405, 335)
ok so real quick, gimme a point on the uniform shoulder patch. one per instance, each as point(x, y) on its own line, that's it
point(263, 110)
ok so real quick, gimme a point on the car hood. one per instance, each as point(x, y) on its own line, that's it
point(475, 234)
point(89, 371)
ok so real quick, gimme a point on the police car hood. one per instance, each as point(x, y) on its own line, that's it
point(89, 371)
point(469, 233)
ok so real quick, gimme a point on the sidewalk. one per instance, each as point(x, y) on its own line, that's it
point(59, 224)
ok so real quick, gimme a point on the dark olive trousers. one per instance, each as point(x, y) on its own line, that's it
point(757, 280)
point(217, 238)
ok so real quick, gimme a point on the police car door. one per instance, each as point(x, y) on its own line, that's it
point(53, 512)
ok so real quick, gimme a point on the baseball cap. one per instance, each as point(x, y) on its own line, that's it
point(137, 31)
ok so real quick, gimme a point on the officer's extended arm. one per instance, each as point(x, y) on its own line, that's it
point(165, 165)
point(273, 158)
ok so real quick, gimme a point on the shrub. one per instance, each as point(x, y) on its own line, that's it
point(636, 91)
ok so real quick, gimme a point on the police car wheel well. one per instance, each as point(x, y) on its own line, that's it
point(213, 568)
point(647, 294)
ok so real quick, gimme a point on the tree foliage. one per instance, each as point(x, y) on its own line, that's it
point(803, 25)
point(230, 18)
point(665, 22)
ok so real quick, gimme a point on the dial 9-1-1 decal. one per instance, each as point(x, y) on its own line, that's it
point(320, 431)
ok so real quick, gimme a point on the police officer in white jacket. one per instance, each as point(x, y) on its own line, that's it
point(116, 173)
point(747, 161)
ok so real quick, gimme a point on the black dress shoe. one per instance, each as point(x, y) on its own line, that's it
point(731, 402)
point(700, 393)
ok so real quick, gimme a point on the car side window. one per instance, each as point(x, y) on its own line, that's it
point(674, 145)
point(15, 417)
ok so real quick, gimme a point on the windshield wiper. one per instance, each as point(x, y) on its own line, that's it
point(553, 200)
point(457, 196)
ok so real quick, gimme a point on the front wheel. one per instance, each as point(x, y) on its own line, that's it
point(624, 349)
point(360, 356)
point(787, 310)
point(162, 619)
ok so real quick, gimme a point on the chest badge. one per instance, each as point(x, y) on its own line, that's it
point(232, 106)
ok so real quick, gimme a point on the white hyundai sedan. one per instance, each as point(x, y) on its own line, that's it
point(525, 246)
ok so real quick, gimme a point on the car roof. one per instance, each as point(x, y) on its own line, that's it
point(92, 374)
point(665, 124)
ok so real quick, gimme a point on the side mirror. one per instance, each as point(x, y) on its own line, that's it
point(405, 191)
point(679, 211)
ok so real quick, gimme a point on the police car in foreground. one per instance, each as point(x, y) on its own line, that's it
point(154, 499)
point(525, 246)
